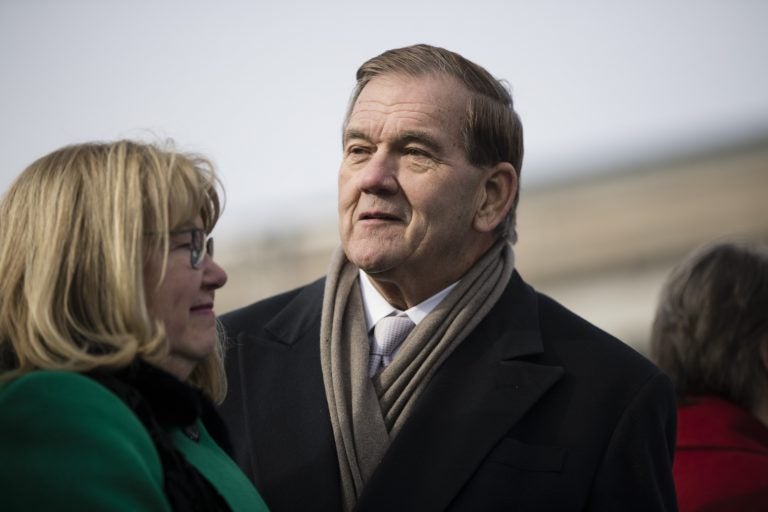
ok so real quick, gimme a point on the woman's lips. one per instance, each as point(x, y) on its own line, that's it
point(206, 308)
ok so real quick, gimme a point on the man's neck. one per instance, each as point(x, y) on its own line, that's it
point(376, 305)
point(403, 298)
point(407, 287)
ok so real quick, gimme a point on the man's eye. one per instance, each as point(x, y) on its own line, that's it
point(357, 154)
point(357, 150)
point(417, 152)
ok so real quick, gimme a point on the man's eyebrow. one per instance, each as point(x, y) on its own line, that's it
point(350, 134)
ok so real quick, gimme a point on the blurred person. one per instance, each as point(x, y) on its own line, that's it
point(109, 352)
point(499, 398)
point(710, 335)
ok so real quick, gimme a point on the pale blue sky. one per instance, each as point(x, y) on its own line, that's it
point(261, 87)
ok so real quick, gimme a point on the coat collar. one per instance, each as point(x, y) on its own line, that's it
point(173, 403)
point(300, 316)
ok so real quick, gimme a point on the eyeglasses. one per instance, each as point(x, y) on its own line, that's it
point(200, 245)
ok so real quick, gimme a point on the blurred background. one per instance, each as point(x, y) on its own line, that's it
point(646, 123)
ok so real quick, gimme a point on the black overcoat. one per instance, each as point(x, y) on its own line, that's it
point(536, 410)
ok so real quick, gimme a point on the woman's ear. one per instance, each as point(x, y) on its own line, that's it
point(497, 196)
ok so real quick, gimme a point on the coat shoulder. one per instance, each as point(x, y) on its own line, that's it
point(63, 429)
point(249, 317)
point(568, 334)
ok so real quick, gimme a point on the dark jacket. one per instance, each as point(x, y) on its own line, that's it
point(535, 410)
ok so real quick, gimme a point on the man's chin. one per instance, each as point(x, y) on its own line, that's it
point(373, 268)
point(369, 261)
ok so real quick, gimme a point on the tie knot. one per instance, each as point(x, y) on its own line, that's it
point(390, 331)
point(388, 334)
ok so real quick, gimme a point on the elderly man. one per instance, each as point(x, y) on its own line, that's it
point(422, 373)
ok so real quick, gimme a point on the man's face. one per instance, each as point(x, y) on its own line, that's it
point(407, 194)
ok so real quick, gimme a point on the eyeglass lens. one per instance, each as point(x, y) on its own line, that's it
point(199, 242)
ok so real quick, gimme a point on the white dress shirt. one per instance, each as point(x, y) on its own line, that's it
point(376, 306)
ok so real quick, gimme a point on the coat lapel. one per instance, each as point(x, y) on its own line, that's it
point(478, 394)
point(296, 437)
point(300, 318)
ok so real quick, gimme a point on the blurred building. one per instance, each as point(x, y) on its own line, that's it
point(601, 245)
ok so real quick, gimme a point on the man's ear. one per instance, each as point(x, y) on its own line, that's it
point(496, 197)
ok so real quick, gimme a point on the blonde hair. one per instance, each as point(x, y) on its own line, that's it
point(73, 246)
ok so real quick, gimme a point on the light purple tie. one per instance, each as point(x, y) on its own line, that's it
point(388, 333)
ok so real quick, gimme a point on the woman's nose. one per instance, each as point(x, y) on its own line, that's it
point(214, 276)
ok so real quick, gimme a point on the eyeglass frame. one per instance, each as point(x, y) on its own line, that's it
point(200, 245)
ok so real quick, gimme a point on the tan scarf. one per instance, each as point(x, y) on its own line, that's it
point(366, 414)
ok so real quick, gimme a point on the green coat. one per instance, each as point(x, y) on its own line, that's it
point(68, 443)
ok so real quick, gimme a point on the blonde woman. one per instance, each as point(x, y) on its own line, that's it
point(109, 353)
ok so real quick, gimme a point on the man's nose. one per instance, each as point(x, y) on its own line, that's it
point(379, 176)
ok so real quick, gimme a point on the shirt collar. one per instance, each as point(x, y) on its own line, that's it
point(376, 307)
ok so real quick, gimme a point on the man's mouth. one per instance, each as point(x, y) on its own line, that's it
point(376, 215)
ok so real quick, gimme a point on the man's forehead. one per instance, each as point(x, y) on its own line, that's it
point(424, 88)
point(408, 104)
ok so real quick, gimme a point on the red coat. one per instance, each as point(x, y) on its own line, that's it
point(721, 462)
